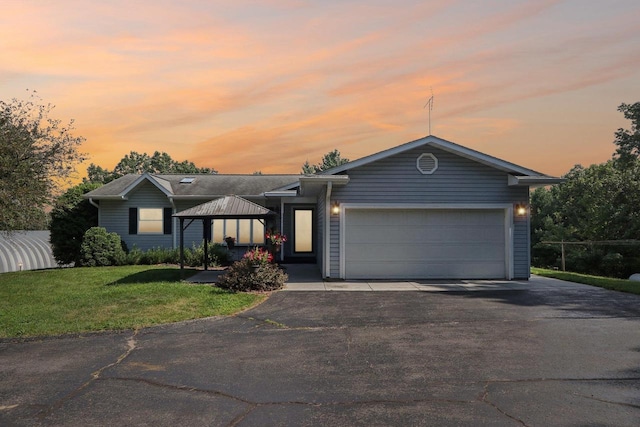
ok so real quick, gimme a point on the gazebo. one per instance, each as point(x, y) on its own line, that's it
point(228, 207)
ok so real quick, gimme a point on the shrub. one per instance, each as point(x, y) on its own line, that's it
point(242, 277)
point(71, 217)
point(100, 248)
point(193, 257)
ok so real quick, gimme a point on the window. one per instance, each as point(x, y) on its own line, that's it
point(245, 231)
point(303, 230)
point(150, 220)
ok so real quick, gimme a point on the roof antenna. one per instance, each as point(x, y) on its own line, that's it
point(430, 104)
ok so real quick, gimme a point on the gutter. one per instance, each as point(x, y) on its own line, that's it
point(93, 203)
point(327, 230)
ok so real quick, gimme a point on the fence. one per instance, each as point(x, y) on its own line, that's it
point(563, 243)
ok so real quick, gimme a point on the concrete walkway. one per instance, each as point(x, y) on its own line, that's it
point(307, 277)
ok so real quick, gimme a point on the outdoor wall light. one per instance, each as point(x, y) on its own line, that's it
point(335, 208)
point(521, 209)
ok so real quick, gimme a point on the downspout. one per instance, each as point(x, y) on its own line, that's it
point(94, 203)
point(174, 236)
point(327, 230)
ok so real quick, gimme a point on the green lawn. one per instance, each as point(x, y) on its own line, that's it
point(72, 300)
point(602, 282)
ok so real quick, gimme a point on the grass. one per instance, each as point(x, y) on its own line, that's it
point(602, 282)
point(75, 300)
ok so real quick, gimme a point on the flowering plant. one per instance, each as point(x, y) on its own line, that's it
point(231, 241)
point(258, 256)
point(275, 238)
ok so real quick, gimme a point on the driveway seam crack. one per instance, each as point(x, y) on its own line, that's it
point(485, 398)
point(95, 375)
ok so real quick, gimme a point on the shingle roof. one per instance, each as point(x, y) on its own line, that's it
point(204, 185)
point(226, 207)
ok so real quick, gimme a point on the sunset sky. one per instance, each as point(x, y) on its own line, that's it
point(243, 86)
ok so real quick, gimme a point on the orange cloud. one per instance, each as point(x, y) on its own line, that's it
point(265, 86)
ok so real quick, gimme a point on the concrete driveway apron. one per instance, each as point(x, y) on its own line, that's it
point(551, 354)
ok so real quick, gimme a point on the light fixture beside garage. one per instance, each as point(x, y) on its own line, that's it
point(335, 208)
point(521, 209)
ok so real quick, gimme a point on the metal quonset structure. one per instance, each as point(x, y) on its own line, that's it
point(25, 250)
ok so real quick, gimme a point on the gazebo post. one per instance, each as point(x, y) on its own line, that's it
point(181, 243)
point(206, 227)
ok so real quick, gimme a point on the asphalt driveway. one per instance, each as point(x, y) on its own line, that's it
point(553, 354)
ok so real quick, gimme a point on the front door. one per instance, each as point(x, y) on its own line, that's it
point(302, 239)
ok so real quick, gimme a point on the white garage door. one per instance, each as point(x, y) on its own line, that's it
point(424, 244)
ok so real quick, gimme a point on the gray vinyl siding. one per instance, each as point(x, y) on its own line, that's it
point(457, 180)
point(335, 246)
point(193, 234)
point(114, 216)
point(521, 248)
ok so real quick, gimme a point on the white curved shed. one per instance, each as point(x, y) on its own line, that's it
point(25, 250)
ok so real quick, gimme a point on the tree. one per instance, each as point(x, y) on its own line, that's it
point(71, 217)
point(598, 203)
point(37, 156)
point(140, 163)
point(628, 141)
point(330, 160)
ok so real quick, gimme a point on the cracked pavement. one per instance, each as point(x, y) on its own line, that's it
point(556, 354)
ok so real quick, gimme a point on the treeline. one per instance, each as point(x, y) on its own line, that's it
point(597, 204)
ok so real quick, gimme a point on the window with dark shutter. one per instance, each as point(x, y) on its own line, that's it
point(167, 220)
point(133, 220)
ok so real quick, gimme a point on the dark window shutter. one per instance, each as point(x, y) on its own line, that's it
point(133, 220)
point(167, 220)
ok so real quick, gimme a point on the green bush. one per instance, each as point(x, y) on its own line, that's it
point(193, 257)
point(242, 277)
point(100, 248)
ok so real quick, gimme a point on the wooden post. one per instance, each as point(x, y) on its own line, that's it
point(206, 230)
point(181, 243)
point(563, 259)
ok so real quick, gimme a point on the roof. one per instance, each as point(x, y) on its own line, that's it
point(443, 145)
point(203, 186)
point(226, 207)
point(216, 185)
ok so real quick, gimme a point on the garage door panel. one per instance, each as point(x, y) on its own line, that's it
point(382, 236)
point(424, 253)
point(424, 244)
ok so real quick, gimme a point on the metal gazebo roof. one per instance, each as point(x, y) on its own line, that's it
point(228, 207)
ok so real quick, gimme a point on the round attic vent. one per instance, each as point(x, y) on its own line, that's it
point(427, 163)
